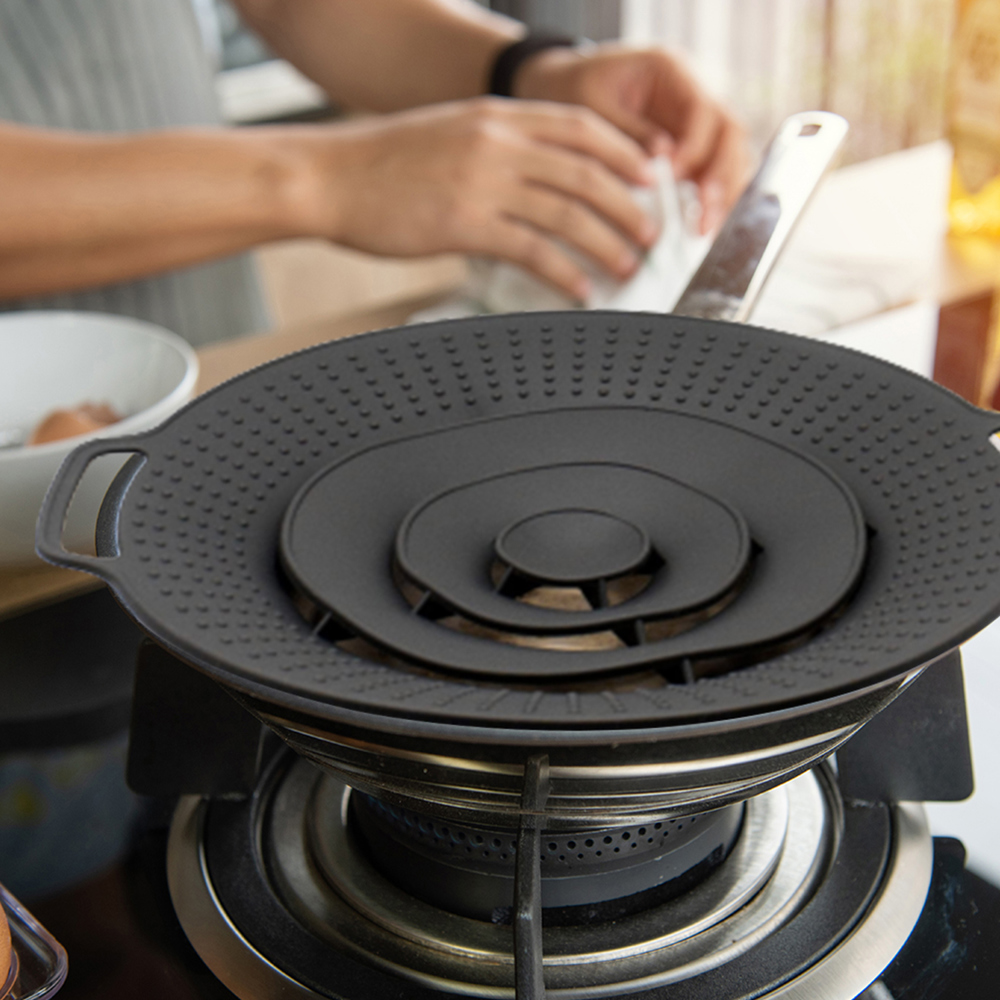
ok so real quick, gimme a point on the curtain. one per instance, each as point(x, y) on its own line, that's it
point(880, 63)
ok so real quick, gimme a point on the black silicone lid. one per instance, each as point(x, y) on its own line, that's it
point(361, 524)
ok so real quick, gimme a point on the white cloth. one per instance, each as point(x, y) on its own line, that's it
point(499, 287)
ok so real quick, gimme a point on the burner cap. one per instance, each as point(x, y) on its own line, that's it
point(573, 546)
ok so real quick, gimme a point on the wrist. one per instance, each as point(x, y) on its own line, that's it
point(548, 76)
point(300, 179)
point(508, 72)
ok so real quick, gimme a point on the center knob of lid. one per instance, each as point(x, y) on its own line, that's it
point(572, 546)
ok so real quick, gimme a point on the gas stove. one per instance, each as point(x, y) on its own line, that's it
point(295, 883)
point(812, 888)
point(235, 861)
point(123, 939)
point(563, 655)
point(628, 791)
point(792, 886)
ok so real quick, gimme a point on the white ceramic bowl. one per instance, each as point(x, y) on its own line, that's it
point(54, 360)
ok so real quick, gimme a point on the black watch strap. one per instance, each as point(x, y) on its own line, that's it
point(509, 61)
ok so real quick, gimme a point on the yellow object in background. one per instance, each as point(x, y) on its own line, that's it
point(974, 120)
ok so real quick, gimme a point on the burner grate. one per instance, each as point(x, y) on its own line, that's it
point(280, 882)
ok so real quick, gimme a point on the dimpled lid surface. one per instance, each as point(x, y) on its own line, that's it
point(821, 521)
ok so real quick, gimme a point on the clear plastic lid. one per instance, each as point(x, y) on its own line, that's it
point(38, 961)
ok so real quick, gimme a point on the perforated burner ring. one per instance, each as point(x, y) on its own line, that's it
point(587, 875)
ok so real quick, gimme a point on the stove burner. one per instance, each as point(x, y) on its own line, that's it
point(587, 875)
point(816, 898)
point(628, 538)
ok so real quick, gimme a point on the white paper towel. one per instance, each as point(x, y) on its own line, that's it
point(499, 287)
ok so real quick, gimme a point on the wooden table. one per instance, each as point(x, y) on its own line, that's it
point(891, 205)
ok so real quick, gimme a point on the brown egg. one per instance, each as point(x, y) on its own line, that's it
point(4, 953)
point(103, 413)
point(82, 419)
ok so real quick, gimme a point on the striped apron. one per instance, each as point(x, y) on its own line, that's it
point(119, 66)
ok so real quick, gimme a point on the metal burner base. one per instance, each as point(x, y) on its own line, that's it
point(815, 901)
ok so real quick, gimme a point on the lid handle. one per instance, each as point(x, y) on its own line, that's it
point(730, 279)
point(59, 496)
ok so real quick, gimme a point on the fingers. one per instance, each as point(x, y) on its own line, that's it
point(709, 146)
point(711, 150)
point(697, 140)
point(569, 220)
point(530, 183)
point(565, 179)
point(586, 182)
point(713, 154)
point(651, 96)
point(583, 131)
point(723, 179)
point(521, 244)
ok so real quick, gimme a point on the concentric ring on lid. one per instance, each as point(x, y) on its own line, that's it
point(494, 525)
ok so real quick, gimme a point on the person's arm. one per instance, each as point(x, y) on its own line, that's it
point(510, 179)
point(490, 177)
point(80, 210)
point(386, 55)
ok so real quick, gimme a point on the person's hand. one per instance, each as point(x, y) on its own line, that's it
point(652, 97)
point(509, 179)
